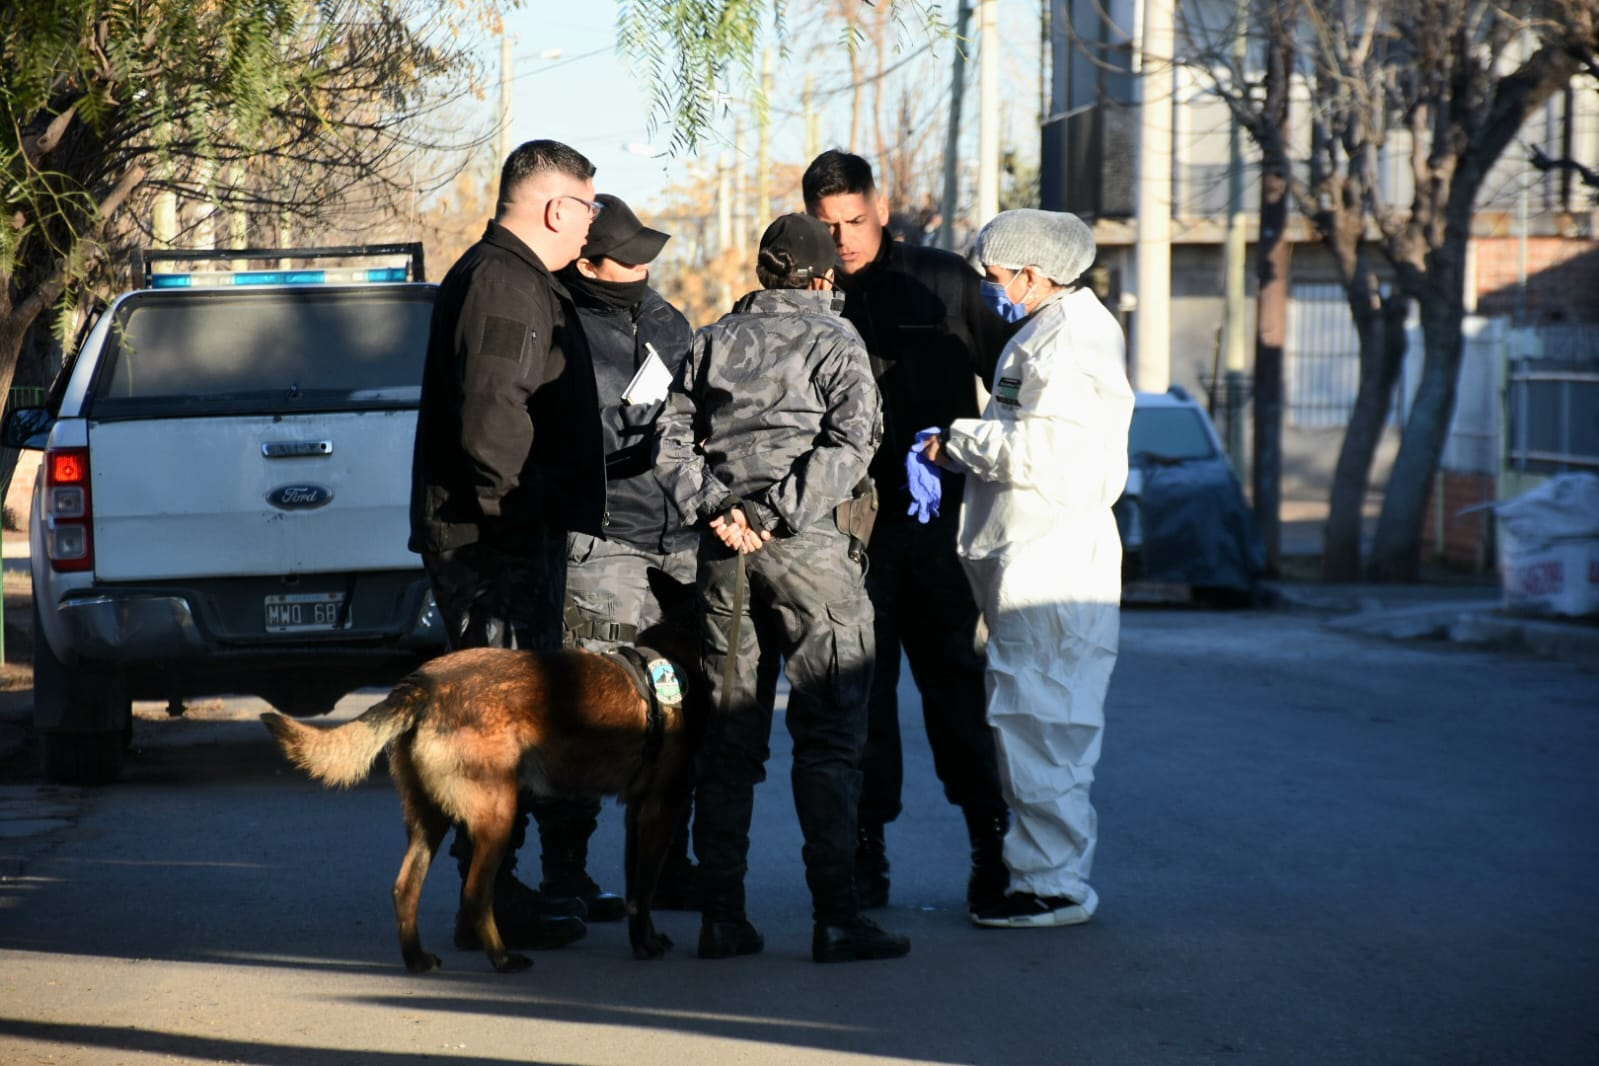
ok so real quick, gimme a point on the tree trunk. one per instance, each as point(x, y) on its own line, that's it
point(1382, 353)
point(1272, 252)
point(1396, 549)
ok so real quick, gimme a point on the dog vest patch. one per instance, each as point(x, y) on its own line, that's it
point(667, 681)
point(1008, 391)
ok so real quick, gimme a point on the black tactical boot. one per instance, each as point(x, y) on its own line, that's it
point(724, 930)
point(724, 940)
point(855, 939)
point(565, 826)
point(986, 886)
point(871, 866)
point(523, 922)
point(526, 919)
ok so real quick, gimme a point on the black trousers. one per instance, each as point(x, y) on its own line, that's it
point(490, 598)
point(806, 608)
point(923, 603)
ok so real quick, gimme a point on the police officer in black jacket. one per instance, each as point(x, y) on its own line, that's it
point(930, 338)
point(508, 453)
point(641, 572)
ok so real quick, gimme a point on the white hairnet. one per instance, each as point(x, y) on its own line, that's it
point(1059, 244)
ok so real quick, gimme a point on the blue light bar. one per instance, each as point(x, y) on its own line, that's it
point(277, 277)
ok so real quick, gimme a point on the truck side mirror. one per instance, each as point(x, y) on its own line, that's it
point(27, 427)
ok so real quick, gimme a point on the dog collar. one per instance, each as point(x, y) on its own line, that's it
point(658, 682)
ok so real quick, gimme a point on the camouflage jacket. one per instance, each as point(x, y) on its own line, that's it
point(774, 404)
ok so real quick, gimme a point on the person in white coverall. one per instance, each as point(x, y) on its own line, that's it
point(1040, 546)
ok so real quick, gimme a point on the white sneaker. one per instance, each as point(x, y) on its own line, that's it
point(1024, 910)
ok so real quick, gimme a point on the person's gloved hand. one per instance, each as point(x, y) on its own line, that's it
point(921, 477)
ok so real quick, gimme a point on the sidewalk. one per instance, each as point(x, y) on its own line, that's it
point(1466, 609)
point(1467, 615)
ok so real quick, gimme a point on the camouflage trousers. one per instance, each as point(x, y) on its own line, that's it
point(805, 609)
point(610, 584)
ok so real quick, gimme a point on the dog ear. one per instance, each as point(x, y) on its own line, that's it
point(675, 597)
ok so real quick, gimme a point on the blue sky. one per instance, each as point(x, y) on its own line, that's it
point(589, 99)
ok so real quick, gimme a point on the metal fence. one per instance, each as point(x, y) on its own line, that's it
point(1553, 411)
point(1321, 364)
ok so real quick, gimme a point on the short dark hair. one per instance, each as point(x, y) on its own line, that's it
point(836, 172)
point(779, 268)
point(536, 157)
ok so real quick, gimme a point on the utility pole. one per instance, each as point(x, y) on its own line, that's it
point(741, 185)
point(724, 227)
point(1271, 299)
point(1152, 322)
point(988, 116)
point(957, 90)
point(1234, 346)
point(763, 160)
point(164, 219)
point(504, 139)
point(813, 137)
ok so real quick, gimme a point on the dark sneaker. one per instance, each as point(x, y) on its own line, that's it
point(985, 888)
point(855, 940)
point(597, 906)
point(724, 940)
point(522, 930)
point(511, 895)
point(604, 907)
point(1024, 910)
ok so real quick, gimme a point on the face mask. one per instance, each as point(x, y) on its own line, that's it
point(997, 298)
point(597, 293)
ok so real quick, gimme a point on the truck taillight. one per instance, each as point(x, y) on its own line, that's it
point(68, 517)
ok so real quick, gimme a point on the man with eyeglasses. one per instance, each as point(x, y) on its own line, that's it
point(509, 457)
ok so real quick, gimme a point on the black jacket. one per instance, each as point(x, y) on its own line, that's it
point(507, 437)
point(637, 510)
point(930, 337)
point(775, 405)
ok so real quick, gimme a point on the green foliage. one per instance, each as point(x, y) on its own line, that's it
point(687, 49)
point(104, 102)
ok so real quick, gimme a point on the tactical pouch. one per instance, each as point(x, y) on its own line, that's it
point(856, 516)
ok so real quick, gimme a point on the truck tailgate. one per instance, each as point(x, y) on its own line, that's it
point(251, 495)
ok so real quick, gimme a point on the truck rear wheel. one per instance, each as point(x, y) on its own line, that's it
point(82, 717)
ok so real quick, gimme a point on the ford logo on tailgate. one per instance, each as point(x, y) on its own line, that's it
point(299, 497)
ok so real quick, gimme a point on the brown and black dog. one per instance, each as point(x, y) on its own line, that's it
point(465, 731)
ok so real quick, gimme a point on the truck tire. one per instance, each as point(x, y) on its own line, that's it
point(82, 716)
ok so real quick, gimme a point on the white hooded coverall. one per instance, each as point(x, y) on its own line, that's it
point(1040, 546)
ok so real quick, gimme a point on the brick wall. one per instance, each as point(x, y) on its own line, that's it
point(1460, 539)
point(1562, 278)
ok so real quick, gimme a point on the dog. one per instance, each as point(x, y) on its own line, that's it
point(467, 730)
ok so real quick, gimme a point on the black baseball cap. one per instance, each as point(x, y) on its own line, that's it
point(808, 241)
point(616, 233)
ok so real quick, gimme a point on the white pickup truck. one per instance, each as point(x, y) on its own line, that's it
point(222, 502)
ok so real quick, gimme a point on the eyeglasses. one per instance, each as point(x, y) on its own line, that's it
point(594, 206)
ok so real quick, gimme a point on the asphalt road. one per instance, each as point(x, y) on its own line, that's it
point(1316, 848)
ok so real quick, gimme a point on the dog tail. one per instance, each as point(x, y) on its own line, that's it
point(343, 755)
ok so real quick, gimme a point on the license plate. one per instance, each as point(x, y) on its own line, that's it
point(306, 612)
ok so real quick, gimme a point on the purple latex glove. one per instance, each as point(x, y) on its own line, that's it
point(922, 478)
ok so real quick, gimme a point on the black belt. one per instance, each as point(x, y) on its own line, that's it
point(582, 627)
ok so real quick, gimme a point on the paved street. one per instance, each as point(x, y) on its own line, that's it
point(1317, 847)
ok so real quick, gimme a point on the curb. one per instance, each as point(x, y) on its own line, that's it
point(1573, 642)
point(1479, 623)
